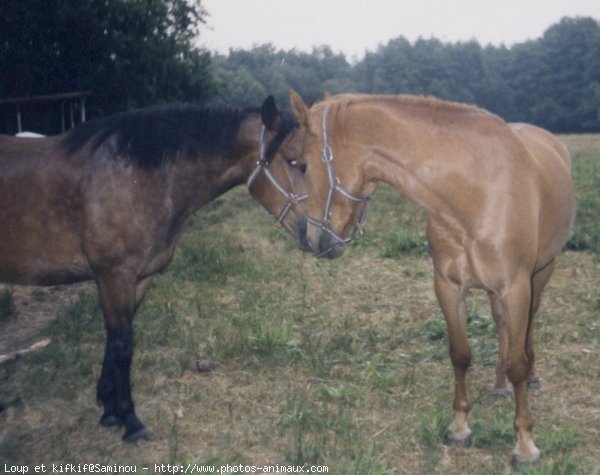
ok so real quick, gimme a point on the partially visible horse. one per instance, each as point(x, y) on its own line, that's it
point(500, 204)
point(107, 202)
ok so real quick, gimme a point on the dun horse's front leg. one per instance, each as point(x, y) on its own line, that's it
point(451, 299)
point(118, 299)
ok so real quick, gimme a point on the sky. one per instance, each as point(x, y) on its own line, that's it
point(353, 27)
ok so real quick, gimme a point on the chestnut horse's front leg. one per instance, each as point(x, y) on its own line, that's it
point(117, 292)
point(451, 299)
point(517, 303)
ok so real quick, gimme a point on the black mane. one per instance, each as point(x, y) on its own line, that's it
point(150, 137)
point(286, 125)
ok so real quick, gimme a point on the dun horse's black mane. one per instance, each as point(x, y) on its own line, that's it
point(150, 137)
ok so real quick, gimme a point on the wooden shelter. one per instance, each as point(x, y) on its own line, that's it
point(48, 114)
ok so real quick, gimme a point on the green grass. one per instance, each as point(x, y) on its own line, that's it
point(342, 363)
point(585, 151)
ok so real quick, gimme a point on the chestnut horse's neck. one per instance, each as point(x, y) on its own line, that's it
point(416, 144)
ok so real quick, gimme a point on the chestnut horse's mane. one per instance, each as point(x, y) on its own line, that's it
point(425, 106)
point(347, 100)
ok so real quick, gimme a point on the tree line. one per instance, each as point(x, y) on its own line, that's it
point(553, 81)
point(135, 53)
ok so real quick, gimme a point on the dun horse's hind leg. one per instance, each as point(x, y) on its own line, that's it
point(517, 300)
point(118, 300)
point(451, 300)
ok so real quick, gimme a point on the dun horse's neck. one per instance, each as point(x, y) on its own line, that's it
point(207, 179)
point(194, 185)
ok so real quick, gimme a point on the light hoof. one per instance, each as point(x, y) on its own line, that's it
point(525, 460)
point(501, 393)
point(534, 383)
point(461, 441)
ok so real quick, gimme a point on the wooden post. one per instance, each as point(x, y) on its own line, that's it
point(19, 128)
point(62, 116)
point(82, 109)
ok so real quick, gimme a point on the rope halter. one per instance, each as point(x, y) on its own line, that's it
point(335, 186)
point(263, 167)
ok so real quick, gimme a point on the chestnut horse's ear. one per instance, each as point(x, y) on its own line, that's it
point(299, 108)
point(270, 114)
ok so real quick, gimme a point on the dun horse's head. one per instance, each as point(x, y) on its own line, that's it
point(338, 190)
point(277, 182)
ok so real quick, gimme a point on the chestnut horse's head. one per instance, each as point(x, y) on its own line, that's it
point(338, 189)
point(276, 181)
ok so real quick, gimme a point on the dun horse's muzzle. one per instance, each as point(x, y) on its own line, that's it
point(291, 199)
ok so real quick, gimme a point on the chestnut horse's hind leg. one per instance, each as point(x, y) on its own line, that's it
point(501, 382)
point(451, 300)
point(118, 300)
point(517, 302)
point(538, 282)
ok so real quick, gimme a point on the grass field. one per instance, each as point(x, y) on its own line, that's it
point(341, 363)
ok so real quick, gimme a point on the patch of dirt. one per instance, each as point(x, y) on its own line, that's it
point(35, 309)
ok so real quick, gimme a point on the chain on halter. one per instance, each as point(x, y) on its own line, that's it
point(336, 186)
point(262, 166)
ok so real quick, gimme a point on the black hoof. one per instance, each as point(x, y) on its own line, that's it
point(534, 384)
point(135, 430)
point(110, 420)
point(141, 435)
point(459, 441)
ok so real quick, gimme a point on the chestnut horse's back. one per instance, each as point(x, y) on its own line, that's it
point(557, 211)
point(536, 137)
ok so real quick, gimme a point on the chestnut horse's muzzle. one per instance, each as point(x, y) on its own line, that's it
point(331, 244)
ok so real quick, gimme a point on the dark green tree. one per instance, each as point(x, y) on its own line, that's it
point(131, 53)
point(553, 81)
point(571, 50)
point(266, 70)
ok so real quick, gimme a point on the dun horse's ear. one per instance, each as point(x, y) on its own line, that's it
point(270, 114)
point(299, 108)
point(327, 96)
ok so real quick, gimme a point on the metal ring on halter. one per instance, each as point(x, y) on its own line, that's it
point(336, 186)
point(262, 166)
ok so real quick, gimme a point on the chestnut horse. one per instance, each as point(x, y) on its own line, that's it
point(500, 205)
point(107, 202)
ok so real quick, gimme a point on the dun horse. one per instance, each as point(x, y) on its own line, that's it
point(500, 205)
point(108, 200)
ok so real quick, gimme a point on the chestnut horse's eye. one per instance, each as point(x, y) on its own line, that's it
point(294, 163)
